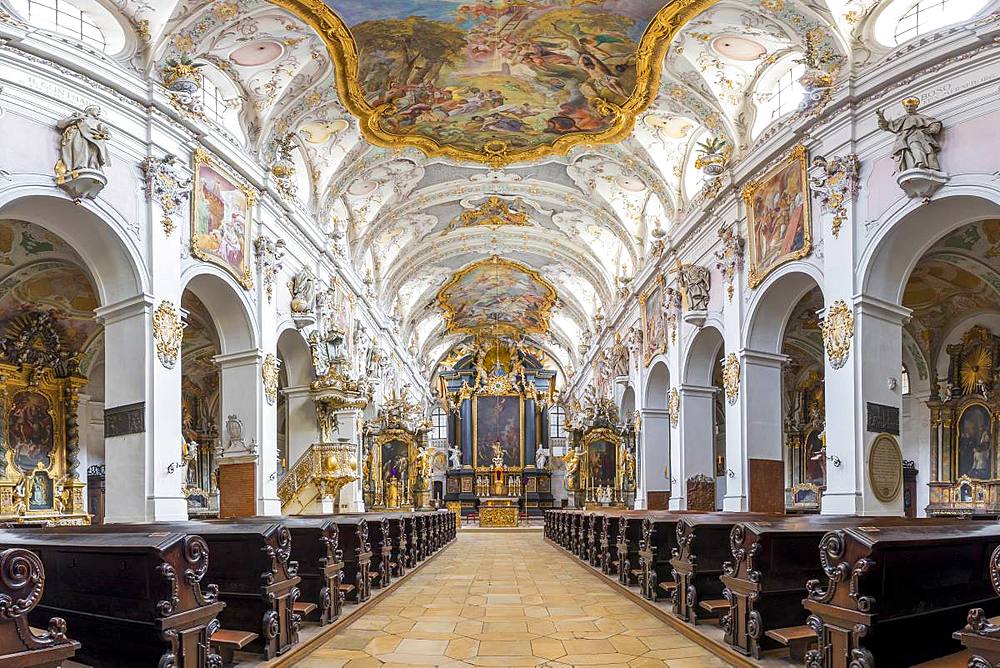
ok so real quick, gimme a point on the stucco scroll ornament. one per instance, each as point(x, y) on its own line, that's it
point(731, 378)
point(83, 154)
point(730, 256)
point(673, 304)
point(838, 330)
point(168, 184)
point(269, 374)
point(269, 254)
point(283, 168)
point(835, 183)
point(916, 149)
point(674, 407)
point(168, 332)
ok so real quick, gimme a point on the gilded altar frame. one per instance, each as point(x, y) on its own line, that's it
point(602, 435)
point(649, 55)
point(55, 481)
point(475, 427)
point(407, 496)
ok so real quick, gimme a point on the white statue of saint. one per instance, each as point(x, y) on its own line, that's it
point(84, 143)
point(455, 457)
point(542, 457)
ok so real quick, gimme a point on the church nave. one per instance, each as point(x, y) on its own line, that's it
point(507, 599)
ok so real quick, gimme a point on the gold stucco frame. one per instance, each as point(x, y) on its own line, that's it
point(756, 274)
point(651, 50)
point(602, 435)
point(508, 328)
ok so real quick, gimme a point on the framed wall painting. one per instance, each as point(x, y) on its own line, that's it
point(221, 218)
point(654, 324)
point(498, 419)
point(778, 216)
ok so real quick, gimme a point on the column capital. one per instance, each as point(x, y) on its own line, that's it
point(297, 392)
point(243, 358)
point(761, 358)
point(882, 309)
point(686, 389)
point(654, 412)
point(126, 308)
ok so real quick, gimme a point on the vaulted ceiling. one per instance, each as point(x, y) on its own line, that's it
point(583, 219)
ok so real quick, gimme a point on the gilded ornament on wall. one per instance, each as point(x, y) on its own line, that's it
point(168, 185)
point(731, 378)
point(835, 183)
point(838, 330)
point(269, 374)
point(674, 407)
point(168, 332)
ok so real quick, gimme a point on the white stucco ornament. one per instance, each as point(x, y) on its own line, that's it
point(731, 378)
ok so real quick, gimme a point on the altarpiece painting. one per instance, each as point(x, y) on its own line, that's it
point(499, 419)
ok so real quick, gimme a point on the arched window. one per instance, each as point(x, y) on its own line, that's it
point(902, 20)
point(779, 92)
point(212, 101)
point(218, 99)
point(65, 18)
point(557, 422)
point(439, 422)
point(904, 381)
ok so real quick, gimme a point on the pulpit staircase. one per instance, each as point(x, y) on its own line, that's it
point(315, 480)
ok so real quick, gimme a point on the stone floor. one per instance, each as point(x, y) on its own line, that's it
point(507, 599)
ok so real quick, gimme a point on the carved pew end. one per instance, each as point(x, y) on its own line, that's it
point(798, 639)
point(227, 642)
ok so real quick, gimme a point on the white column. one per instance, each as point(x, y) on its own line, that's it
point(302, 428)
point(655, 438)
point(142, 408)
point(915, 441)
point(696, 453)
point(268, 455)
point(875, 357)
point(761, 416)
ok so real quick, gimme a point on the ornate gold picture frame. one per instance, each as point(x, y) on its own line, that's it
point(654, 323)
point(222, 218)
point(779, 222)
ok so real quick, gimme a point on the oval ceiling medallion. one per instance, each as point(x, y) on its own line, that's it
point(739, 48)
point(675, 127)
point(256, 54)
point(496, 82)
point(362, 187)
point(630, 184)
point(320, 132)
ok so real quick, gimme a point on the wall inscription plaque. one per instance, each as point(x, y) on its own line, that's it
point(885, 468)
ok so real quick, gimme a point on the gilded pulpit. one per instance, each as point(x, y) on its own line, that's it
point(39, 430)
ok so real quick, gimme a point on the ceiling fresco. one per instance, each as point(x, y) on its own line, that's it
point(497, 295)
point(496, 81)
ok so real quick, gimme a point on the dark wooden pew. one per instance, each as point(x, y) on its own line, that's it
point(656, 547)
point(134, 599)
point(892, 596)
point(592, 533)
point(627, 545)
point(399, 560)
point(981, 635)
point(607, 542)
point(356, 555)
point(702, 548)
point(765, 581)
point(380, 541)
point(22, 586)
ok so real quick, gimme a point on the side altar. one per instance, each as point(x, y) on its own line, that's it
point(497, 392)
point(600, 465)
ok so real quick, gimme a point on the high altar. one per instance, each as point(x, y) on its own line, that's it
point(39, 430)
point(396, 463)
point(498, 394)
point(600, 464)
point(964, 476)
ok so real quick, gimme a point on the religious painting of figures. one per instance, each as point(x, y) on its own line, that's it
point(496, 290)
point(780, 227)
point(601, 464)
point(222, 209)
point(40, 496)
point(975, 443)
point(654, 324)
point(30, 432)
point(815, 463)
point(463, 76)
point(498, 422)
point(395, 461)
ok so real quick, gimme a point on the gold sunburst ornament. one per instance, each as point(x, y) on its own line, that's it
point(975, 371)
point(514, 82)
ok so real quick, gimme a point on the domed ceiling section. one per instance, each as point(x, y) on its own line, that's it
point(496, 81)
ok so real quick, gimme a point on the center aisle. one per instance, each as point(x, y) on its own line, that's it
point(507, 599)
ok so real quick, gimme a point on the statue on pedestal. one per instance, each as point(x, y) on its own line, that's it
point(83, 153)
point(916, 150)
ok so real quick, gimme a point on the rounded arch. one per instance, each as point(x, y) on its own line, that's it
point(228, 306)
point(657, 386)
point(774, 304)
point(703, 353)
point(113, 263)
point(910, 231)
point(295, 356)
point(627, 406)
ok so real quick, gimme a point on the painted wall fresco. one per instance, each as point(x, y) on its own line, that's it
point(497, 292)
point(220, 224)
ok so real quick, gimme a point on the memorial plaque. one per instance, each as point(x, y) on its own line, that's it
point(885, 468)
point(882, 418)
point(125, 420)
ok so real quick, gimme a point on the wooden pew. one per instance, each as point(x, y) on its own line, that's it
point(627, 545)
point(656, 547)
point(765, 581)
point(315, 549)
point(381, 549)
point(981, 635)
point(702, 548)
point(356, 555)
point(592, 533)
point(22, 586)
point(893, 595)
point(398, 559)
point(132, 600)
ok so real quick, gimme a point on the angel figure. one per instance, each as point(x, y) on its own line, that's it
point(423, 462)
